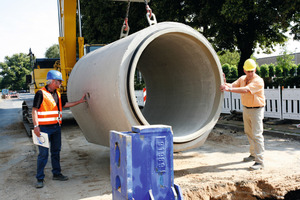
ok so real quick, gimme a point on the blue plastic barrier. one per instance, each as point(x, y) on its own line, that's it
point(141, 164)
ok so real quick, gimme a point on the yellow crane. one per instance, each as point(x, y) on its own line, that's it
point(67, 37)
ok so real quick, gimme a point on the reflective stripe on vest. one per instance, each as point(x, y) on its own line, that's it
point(48, 113)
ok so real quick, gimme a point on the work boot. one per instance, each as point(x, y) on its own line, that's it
point(248, 159)
point(60, 177)
point(39, 183)
point(257, 166)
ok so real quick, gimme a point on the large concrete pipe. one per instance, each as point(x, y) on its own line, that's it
point(182, 74)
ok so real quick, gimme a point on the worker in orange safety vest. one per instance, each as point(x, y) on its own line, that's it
point(47, 118)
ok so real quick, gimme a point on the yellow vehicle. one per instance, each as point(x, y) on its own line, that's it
point(67, 10)
point(37, 79)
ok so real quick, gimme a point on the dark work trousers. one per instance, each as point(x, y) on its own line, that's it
point(54, 133)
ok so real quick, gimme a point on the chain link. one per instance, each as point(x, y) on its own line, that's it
point(150, 15)
point(125, 27)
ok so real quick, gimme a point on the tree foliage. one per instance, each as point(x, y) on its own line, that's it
point(226, 69)
point(293, 70)
point(284, 62)
point(14, 71)
point(243, 24)
point(228, 24)
point(102, 20)
point(278, 71)
point(52, 52)
point(233, 71)
point(258, 71)
point(271, 70)
point(232, 58)
point(264, 70)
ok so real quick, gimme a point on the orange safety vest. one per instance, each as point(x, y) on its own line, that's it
point(49, 113)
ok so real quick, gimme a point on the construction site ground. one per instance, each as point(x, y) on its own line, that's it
point(213, 171)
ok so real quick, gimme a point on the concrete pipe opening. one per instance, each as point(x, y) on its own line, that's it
point(182, 75)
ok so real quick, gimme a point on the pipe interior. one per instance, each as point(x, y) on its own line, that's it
point(182, 80)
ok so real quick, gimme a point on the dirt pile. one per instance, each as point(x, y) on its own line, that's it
point(250, 190)
point(216, 171)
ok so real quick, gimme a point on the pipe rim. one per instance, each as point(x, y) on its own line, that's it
point(130, 82)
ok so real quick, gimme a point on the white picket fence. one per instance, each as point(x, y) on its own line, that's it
point(281, 103)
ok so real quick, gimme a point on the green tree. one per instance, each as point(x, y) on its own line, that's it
point(228, 24)
point(298, 70)
point(52, 52)
point(278, 71)
point(1, 83)
point(293, 69)
point(271, 70)
point(243, 24)
point(264, 70)
point(14, 70)
point(226, 69)
point(284, 62)
point(233, 71)
point(232, 58)
point(102, 20)
point(258, 72)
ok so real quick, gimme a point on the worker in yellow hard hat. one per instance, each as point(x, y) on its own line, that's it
point(250, 65)
point(251, 88)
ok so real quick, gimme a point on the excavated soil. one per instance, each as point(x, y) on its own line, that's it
point(215, 171)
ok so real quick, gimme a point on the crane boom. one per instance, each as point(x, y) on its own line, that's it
point(67, 38)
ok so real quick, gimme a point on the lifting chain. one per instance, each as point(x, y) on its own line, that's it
point(150, 16)
point(125, 27)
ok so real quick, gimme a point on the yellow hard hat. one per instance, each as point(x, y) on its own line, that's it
point(249, 65)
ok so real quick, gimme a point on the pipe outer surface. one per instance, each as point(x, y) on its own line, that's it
point(182, 73)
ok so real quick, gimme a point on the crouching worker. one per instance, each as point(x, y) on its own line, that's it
point(47, 117)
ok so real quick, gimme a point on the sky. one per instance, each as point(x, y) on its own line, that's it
point(291, 46)
point(27, 24)
point(33, 24)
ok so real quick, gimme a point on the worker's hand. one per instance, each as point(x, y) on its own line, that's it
point(71, 104)
point(37, 131)
point(83, 99)
point(224, 88)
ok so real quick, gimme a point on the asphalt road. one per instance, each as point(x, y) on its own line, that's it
point(11, 120)
point(10, 110)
